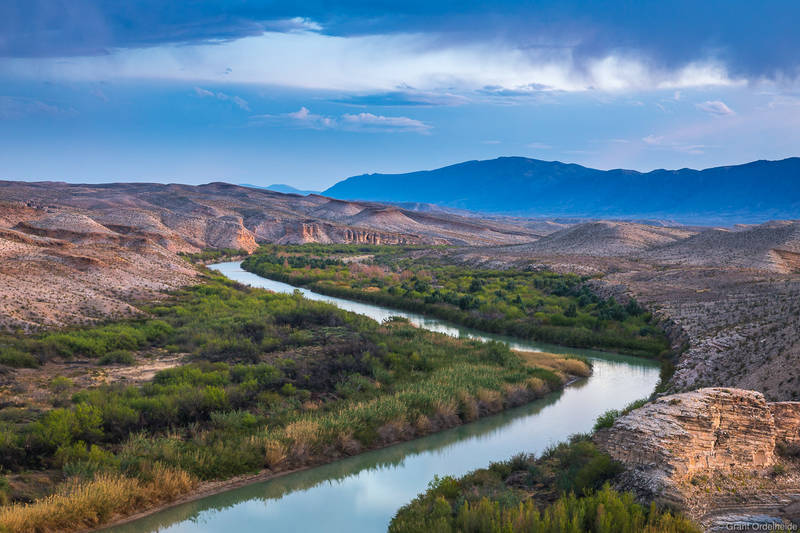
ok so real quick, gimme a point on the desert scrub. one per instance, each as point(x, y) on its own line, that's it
point(213, 255)
point(538, 495)
point(607, 419)
point(543, 306)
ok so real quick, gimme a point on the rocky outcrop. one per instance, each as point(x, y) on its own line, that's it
point(229, 232)
point(674, 445)
point(786, 416)
point(308, 231)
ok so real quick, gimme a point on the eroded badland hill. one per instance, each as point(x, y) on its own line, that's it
point(77, 253)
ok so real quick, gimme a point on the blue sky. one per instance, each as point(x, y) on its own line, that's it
point(308, 93)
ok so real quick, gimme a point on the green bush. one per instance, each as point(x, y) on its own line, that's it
point(16, 358)
point(119, 357)
point(607, 419)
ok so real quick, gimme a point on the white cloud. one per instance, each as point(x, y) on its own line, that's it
point(12, 107)
point(539, 146)
point(99, 94)
point(311, 120)
point(380, 122)
point(303, 117)
point(715, 107)
point(653, 140)
point(660, 141)
point(237, 100)
point(781, 101)
point(296, 24)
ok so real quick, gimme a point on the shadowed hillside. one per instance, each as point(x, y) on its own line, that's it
point(754, 192)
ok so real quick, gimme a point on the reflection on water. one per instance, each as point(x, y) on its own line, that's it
point(362, 493)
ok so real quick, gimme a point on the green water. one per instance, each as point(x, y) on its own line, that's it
point(362, 493)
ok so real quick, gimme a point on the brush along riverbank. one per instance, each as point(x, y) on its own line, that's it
point(541, 306)
point(266, 383)
point(565, 489)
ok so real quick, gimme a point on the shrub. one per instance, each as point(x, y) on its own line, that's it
point(16, 358)
point(120, 357)
point(607, 419)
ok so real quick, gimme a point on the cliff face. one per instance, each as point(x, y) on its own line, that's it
point(678, 446)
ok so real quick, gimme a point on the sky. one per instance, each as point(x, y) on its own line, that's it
point(309, 93)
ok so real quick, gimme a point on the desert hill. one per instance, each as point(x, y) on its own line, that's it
point(770, 247)
point(606, 238)
point(773, 246)
point(188, 218)
point(76, 253)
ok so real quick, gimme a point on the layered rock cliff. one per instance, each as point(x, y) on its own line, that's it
point(710, 450)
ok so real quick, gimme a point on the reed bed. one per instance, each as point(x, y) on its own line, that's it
point(83, 504)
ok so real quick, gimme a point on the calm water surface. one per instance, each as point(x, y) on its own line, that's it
point(362, 493)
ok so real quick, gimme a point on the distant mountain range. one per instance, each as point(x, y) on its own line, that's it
point(280, 187)
point(753, 192)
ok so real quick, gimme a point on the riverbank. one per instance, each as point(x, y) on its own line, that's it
point(540, 306)
point(244, 413)
point(210, 488)
point(625, 386)
point(347, 495)
point(567, 488)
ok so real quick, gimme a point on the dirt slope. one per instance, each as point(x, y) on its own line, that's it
point(773, 246)
point(606, 238)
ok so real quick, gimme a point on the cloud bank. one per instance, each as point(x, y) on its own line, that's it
point(751, 40)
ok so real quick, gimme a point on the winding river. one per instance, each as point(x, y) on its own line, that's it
point(362, 493)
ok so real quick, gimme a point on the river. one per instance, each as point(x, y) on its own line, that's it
point(362, 493)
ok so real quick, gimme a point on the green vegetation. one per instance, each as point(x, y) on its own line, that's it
point(214, 254)
point(542, 305)
point(268, 381)
point(607, 419)
point(565, 490)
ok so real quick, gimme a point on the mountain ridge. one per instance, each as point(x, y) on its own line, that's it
point(752, 192)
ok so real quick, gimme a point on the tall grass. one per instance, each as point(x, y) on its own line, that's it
point(83, 504)
point(605, 511)
point(567, 489)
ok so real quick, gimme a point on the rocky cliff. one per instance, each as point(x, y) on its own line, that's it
point(709, 451)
